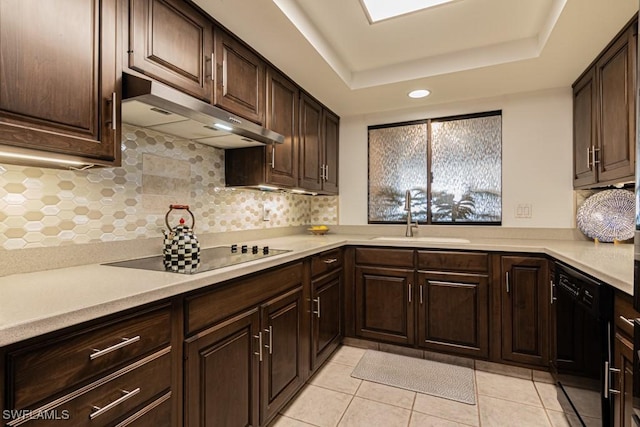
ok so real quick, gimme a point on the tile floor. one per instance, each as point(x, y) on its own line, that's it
point(512, 397)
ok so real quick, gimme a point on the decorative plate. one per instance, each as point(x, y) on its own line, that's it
point(608, 215)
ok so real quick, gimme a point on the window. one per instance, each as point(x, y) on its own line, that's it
point(452, 167)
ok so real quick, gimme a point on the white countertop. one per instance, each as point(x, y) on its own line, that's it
point(32, 304)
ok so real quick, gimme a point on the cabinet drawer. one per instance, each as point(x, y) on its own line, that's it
point(44, 370)
point(110, 398)
point(386, 257)
point(206, 309)
point(624, 312)
point(453, 261)
point(156, 414)
point(325, 262)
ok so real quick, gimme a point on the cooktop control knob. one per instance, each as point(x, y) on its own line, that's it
point(245, 249)
point(265, 250)
point(234, 248)
point(254, 250)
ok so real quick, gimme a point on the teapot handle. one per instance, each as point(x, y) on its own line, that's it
point(185, 207)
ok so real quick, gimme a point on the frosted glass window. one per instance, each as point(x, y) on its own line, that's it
point(462, 156)
point(466, 167)
point(397, 163)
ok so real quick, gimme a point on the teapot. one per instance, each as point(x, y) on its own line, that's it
point(181, 247)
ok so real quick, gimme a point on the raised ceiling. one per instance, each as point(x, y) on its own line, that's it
point(461, 50)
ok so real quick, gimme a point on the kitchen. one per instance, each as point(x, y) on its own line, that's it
point(56, 218)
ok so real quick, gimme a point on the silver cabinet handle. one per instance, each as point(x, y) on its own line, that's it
point(270, 346)
point(126, 396)
point(273, 157)
point(588, 157)
point(330, 260)
point(213, 64)
point(259, 352)
point(125, 342)
point(506, 274)
point(627, 321)
point(317, 301)
point(594, 158)
point(551, 289)
point(326, 172)
point(321, 172)
point(410, 289)
point(114, 108)
point(421, 296)
point(606, 379)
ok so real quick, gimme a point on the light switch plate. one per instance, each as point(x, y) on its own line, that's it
point(524, 210)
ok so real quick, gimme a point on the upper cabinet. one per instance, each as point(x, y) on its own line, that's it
point(172, 42)
point(59, 74)
point(604, 111)
point(319, 131)
point(240, 78)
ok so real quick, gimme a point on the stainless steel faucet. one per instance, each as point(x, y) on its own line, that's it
point(407, 208)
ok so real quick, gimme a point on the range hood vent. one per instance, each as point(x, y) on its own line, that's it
point(152, 105)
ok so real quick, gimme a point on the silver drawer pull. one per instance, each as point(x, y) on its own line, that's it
point(330, 260)
point(317, 313)
point(627, 321)
point(125, 342)
point(126, 396)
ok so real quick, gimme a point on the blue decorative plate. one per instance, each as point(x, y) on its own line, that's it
point(608, 215)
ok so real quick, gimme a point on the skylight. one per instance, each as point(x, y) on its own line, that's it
point(378, 10)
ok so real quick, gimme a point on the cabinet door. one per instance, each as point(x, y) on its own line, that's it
point(240, 78)
point(58, 74)
point(281, 375)
point(384, 304)
point(326, 317)
point(623, 382)
point(331, 129)
point(310, 177)
point(171, 42)
point(282, 117)
point(525, 310)
point(584, 129)
point(453, 312)
point(221, 374)
point(616, 109)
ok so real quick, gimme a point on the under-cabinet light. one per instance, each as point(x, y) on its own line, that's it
point(222, 127)
point(42, 159)
point(419, 93)
point(268, 187)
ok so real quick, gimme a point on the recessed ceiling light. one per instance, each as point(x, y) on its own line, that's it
point(378, 10)
point(419, 93)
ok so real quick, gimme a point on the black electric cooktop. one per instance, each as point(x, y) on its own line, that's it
point(210, 258)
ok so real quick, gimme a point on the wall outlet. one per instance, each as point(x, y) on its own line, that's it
point(266, 213)
point(524, 210)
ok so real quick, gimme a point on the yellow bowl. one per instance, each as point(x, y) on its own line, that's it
point(318, 231)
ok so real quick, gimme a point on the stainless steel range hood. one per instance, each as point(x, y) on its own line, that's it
point(152, 105)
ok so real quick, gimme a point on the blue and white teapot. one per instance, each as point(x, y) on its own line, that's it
point(181, 246)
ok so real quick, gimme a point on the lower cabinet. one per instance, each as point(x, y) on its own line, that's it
point(623, 401)
point(384, 304)
point(241, 371)
point(524, 296)
point(453, 313)
point(326, 317)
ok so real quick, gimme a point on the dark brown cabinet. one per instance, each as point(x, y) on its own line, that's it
point(239, 78)
point(524, 298)
point(245, 355)
point(621, 374)
point(604, 115)
point(319, 140)
point(172, 42)
point(274, 164)
point(50, 50)
point(326, 306)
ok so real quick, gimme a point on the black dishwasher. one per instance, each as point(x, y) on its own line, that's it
point(583, 346)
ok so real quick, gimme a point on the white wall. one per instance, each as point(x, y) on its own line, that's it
point(536, 156)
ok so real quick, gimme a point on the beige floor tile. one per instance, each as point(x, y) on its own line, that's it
point(318, 406)
point(558, 419)
point(282, 421)
point(422, 420)
point(447, 409)
point(364, 413)
point(499, 413)
point(336, 376)
point(348, 355)
point(498, 368)
point(549, 396)
point(386, 394)
point(543, 377)
point(587, 402)
point(508, 388)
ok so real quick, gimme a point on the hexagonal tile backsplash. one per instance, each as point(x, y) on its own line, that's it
point(50, 207)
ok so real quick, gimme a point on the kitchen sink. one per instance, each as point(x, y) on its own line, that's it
point(424, 239)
